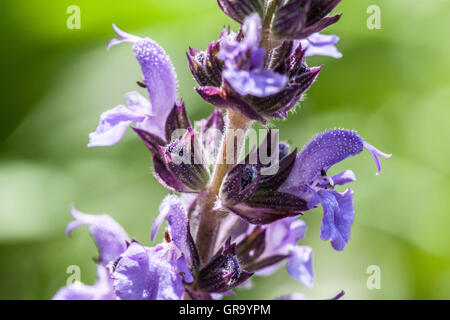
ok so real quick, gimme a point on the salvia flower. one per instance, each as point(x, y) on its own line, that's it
point(309, 181)
point(231, 221)
point(257, 83)
point(244, 63)
point(161, 82)
point(301, 184)
point(130, 270)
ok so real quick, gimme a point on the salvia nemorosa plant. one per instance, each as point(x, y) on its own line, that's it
point(229, 217)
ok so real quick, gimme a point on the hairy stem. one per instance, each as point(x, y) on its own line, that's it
point(209, 218)
point(270, 10)
point(266, 42)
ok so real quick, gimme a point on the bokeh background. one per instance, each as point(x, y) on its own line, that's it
point(392, 85)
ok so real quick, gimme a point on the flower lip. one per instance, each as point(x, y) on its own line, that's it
point(159, 76)
point(376, 154)
point(124, 37)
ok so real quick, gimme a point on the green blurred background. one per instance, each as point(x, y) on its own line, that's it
point(392, 85)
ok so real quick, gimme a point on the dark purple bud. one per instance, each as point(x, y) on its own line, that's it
point(252, 247)
point(273, 182)
point(298, 19)
point(283, 62)
point(265, 208)
point(161, 171)
point(239, 9)
point(177, 122)
point(167, 178)
point(319, 9)
point(240, 184)
point(184, 158)
point(279, 55)
point(267, 204)
point(223, 272)
point(205, 66)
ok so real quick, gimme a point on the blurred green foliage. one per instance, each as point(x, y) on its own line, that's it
point(392, 85)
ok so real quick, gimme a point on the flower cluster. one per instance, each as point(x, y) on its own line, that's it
point(230, 218)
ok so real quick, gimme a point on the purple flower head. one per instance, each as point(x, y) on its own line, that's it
point(236, 73)
point(244, 63)
point(319, 44)
point(232, 220)
point(161, 83)
point(178, 156)
point(300, 184)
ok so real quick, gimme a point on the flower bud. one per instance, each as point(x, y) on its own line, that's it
point(239, 9)
point(223, 272)
point(184, 158)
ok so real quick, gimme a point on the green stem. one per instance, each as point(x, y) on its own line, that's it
point(209, 218)
point(266, 42)
point(271, 7)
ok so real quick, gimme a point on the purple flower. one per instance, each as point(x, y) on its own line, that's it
point(235, 73)
point(161, 83)
point(101, 290)
point(109, 236)
point(319, 44)
point(258, 73)
point(147, 274)
point(247, 76)
point(281, 239)
point(172, 210)
point(308, 180)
